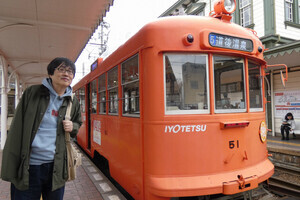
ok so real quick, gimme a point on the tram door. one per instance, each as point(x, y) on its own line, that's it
point(92, 99)
point(89, 122)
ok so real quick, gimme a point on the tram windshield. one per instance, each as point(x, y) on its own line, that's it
point(229, 84)
point(186, 84)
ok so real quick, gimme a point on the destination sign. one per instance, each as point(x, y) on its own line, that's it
point(94, 65)
point(230, 42)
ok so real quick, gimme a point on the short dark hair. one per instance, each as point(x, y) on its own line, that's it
point(289, 114)
point(57, 62)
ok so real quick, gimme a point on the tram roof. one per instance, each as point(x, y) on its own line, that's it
point(32, 32)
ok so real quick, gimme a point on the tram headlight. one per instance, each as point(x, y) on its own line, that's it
point(188, 39)
point(263, 131)
point(229, 5)
point(224, 6)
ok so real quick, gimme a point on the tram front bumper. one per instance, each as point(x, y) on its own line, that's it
point(226, 183)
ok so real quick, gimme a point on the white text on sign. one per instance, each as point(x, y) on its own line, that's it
point(185, 128)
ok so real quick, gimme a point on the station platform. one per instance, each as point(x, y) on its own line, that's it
point(291, 146)
point(90, 184)
point(284, 152)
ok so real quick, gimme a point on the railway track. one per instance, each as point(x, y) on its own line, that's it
point(285, 181)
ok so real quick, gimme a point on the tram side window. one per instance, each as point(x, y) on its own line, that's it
point(229, 84)
point(255, 87)
point(81, 95)
point(102, 94)
point(94, 96)
point(112, 87)
point(186, 84)
point(77, 95)
point(130, 84)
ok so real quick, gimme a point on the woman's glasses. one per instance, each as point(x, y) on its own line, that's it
point(63, 69)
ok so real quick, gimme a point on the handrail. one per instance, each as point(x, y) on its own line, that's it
point(278, 65)
point(283, 79)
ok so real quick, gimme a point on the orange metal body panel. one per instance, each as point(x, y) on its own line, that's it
point(157, 156)
point(81, 135)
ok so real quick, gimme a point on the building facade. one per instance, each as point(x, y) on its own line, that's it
point(277, 24)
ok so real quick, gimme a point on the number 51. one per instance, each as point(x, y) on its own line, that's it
point(234, 144)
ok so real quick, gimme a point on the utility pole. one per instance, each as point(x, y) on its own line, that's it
point(98, 42)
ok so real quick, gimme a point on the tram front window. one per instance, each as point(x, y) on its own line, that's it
point(229, 84)
point(186, 86)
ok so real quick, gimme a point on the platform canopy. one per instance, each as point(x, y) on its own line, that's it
point(33, 32)
point(284, 54)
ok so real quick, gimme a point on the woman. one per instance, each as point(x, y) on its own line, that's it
point(34, 155)
point(288, 125)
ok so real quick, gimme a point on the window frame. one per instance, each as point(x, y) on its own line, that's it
point(289, 17)
point(99, 94)
point(82, 104)
point(241, 11)
point(295, 13)
point(93, 84)
point(261, 89)
point(112, 88)
point(186, 112)
point(128, 83)
point(229, 111)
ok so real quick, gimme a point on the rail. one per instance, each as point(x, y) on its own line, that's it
point(285, 181)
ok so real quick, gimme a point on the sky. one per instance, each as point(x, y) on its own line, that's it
point(125, 19)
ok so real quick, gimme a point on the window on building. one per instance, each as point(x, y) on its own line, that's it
point(186, 84)
point(102, 94)
point(11, 102)
point(112, 87)
point(11, 95)
point(255, 87)
point(289, 10)
point(299, 11)
point(130, 86)
point(94, 96)
point(201, 13)
point(229, 84)
point(245, 12)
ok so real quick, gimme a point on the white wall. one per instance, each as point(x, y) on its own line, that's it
point(258, 17)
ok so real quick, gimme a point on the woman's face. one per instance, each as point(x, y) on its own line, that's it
point(289, 117)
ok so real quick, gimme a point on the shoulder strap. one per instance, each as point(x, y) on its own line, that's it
point(68, 117)
point(68, 112)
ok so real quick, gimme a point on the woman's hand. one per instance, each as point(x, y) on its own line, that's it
point(68, 125)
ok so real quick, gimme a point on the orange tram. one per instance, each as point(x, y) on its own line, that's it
point(179, 109)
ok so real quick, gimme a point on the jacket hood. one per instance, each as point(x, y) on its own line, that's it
point(47, 82)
